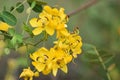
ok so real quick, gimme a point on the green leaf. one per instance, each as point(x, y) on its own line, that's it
point(11, 31)
point(1, 19)
point(38, 2)
point(90, 55)
point(33, 4)
point(11, 8)
point(21, 8)
point(17, 38)
point(9, 18)
point(38, 7)
point(107, 57)
point(28, 29)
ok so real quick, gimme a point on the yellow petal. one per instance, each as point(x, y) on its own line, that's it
point(49, 30)
point(35, 22)
point(55, 11)
point(31, 78)
point(64, 69)
point(48, 9)
point(39, 66)
point(65, 32)
point(4, 26)
point(54, 71)
point(37, 31)
point(36, 74)
point(46, 71)
point(60, 26)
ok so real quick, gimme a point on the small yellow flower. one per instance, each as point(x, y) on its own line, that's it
point(59, 60)
point(50, 19)
point(27, 74)
point(71, 44)
point(46, 61)
point(39, 59)
point(4, 26)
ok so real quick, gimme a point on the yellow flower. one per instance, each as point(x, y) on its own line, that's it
point(4, 26)
point(46, 61)
point(50, 19)
point(27, 74)
point(62, 32)
point(39, 59)
point(71, 44)
point(59, 60)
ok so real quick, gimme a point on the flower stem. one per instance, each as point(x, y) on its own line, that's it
point(103, 65)
point(28, 15)
point(43, 39)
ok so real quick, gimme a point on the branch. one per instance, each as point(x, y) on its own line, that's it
point(83, 7)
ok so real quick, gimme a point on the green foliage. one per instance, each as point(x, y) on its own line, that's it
point(1, 19)
point(7, 51)
point(28, 29)
point(33, 4)
point(90, 55)
point(22, 61)
point(36, 5)
point(16, 39)
point(20, 9)
point(9, 18)
point(11, 8)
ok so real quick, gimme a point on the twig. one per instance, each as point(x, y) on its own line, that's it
point(103, 65)
point(83, 7)
point(18, 6)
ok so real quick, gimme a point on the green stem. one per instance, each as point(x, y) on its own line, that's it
point(27, 55)
point(103, 65)
point(18, 6)
point(28, 17)
point(43, 39)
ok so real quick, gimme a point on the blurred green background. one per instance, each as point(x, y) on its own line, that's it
point(99, 25)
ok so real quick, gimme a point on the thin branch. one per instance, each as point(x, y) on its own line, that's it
point(103, 65)
point(83, 7)
point(18, 6)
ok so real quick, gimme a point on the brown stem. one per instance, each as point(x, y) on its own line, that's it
point(83, 7)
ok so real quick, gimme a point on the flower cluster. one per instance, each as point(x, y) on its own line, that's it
point(46, 61)
point(65, 49)
point(50, 19)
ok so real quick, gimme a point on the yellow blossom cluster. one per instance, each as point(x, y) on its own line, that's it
point(50, 20)
point(46, 61)
point(65, 49)
point(71, 44)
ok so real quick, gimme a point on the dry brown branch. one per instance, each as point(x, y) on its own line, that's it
point(83, 7)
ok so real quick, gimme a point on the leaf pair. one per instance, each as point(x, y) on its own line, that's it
point(16, 39)
point(9, 18)
point(19, 7)
point(90, 54)
point(37, 5)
